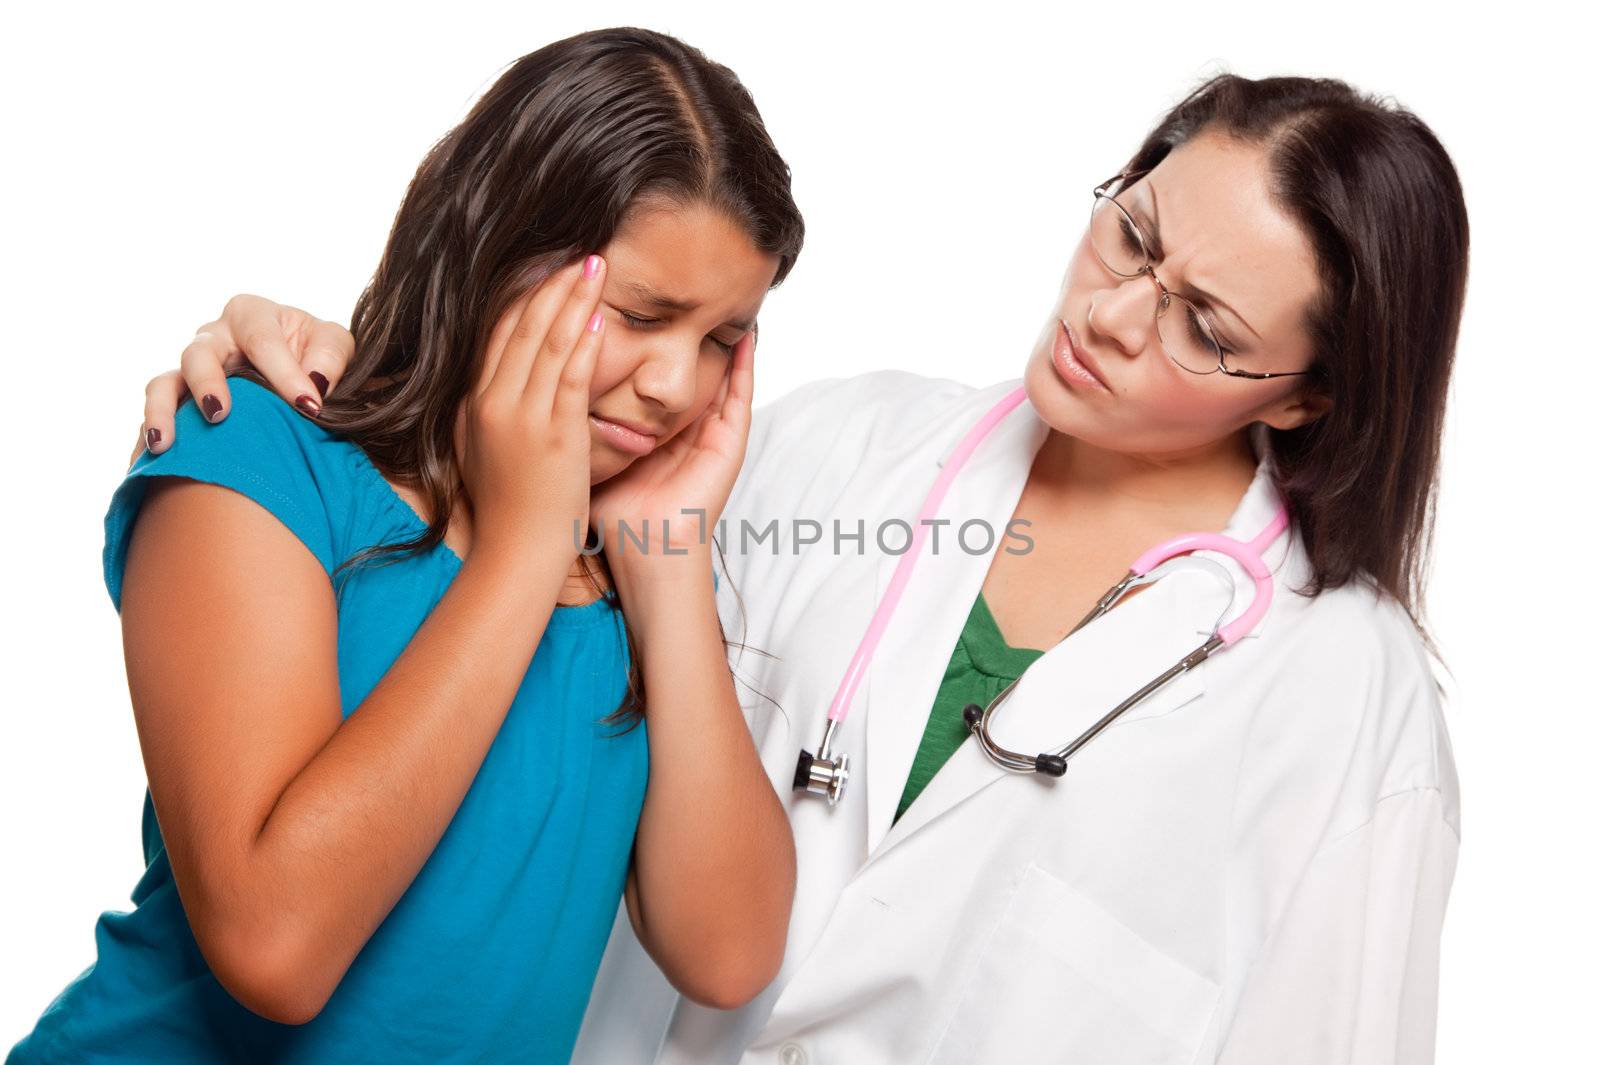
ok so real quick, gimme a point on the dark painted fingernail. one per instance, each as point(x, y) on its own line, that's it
point(212, 406)
point(309, 405)
point(321, 383)
point(152, 437)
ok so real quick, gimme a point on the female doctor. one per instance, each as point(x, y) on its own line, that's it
point(1248, 866)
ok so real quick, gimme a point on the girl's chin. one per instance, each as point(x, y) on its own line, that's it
point(604, 468)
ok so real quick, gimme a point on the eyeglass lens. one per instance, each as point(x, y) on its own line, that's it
point(1183, 330)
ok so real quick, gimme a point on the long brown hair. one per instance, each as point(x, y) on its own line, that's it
point(1379, 199)
point(544, 169)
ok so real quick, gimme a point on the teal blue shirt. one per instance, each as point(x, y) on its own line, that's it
point(491, 953)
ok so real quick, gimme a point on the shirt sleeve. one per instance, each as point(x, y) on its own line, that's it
point(265, 450)
point(1350, 973)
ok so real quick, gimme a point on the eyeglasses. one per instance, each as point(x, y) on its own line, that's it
point(1189, 337)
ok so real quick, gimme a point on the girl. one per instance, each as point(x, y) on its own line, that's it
point(1252, 865)
point(427, 746)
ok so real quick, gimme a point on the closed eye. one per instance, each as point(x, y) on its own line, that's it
point(1158, 254)
point(634, 321)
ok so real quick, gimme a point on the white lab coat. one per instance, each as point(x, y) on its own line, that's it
point(1248, 868)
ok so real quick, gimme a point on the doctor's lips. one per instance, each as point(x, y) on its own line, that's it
point(1072, 363)
point(636, 438)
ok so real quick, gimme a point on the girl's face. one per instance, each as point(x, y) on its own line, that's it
point(1207, 208)
point(682, 286)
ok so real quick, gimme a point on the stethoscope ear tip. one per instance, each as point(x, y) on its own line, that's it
point(1053, 765)
point(972, 715)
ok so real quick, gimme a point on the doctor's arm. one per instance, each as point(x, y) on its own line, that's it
point(1349, 973)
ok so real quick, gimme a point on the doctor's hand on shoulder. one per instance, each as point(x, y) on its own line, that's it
point(302, 356)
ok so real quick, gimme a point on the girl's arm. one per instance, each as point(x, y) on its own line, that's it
point(292, 832)
point(713, 871)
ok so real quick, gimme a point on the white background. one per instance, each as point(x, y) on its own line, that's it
point(160, 159)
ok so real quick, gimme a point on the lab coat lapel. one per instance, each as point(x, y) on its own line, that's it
point(909, 664)
point(1076, 683)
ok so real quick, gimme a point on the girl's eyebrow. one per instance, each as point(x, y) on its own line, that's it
point(1160, 253)
point(656, 300)
point(661, 302)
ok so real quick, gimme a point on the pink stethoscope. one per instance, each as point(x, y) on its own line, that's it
point(826, 774)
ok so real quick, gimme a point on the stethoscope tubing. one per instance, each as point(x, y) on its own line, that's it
point(845, 694)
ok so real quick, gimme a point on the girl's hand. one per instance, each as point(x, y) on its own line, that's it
point(524, 433)
point(291, 349)
point(694, 470)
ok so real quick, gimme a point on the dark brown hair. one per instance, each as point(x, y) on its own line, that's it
point(544, 169)
point(1379, 199)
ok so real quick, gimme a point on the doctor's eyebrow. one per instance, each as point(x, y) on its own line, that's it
point(1199, 295)
point(660, 301)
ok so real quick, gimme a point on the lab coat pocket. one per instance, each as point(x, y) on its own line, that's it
point(1062, 980)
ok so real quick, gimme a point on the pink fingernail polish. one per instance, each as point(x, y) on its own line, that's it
point(594, 323)
point(591, 266)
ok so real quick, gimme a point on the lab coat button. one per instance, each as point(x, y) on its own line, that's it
point(792, 1054)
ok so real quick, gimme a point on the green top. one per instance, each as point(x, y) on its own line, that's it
point(981, 664)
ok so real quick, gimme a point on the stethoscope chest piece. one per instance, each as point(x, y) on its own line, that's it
point(823, 776)
point(822, 773)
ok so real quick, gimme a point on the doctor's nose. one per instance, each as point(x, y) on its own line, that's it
point(1124, 315)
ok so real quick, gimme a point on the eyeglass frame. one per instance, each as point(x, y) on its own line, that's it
point(1165, 296)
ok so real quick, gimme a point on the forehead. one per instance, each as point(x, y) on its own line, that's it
point(1223, 232)
point(694, 254)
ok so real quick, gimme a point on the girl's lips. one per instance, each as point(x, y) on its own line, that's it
point(1068, 366)
point(623, 438)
